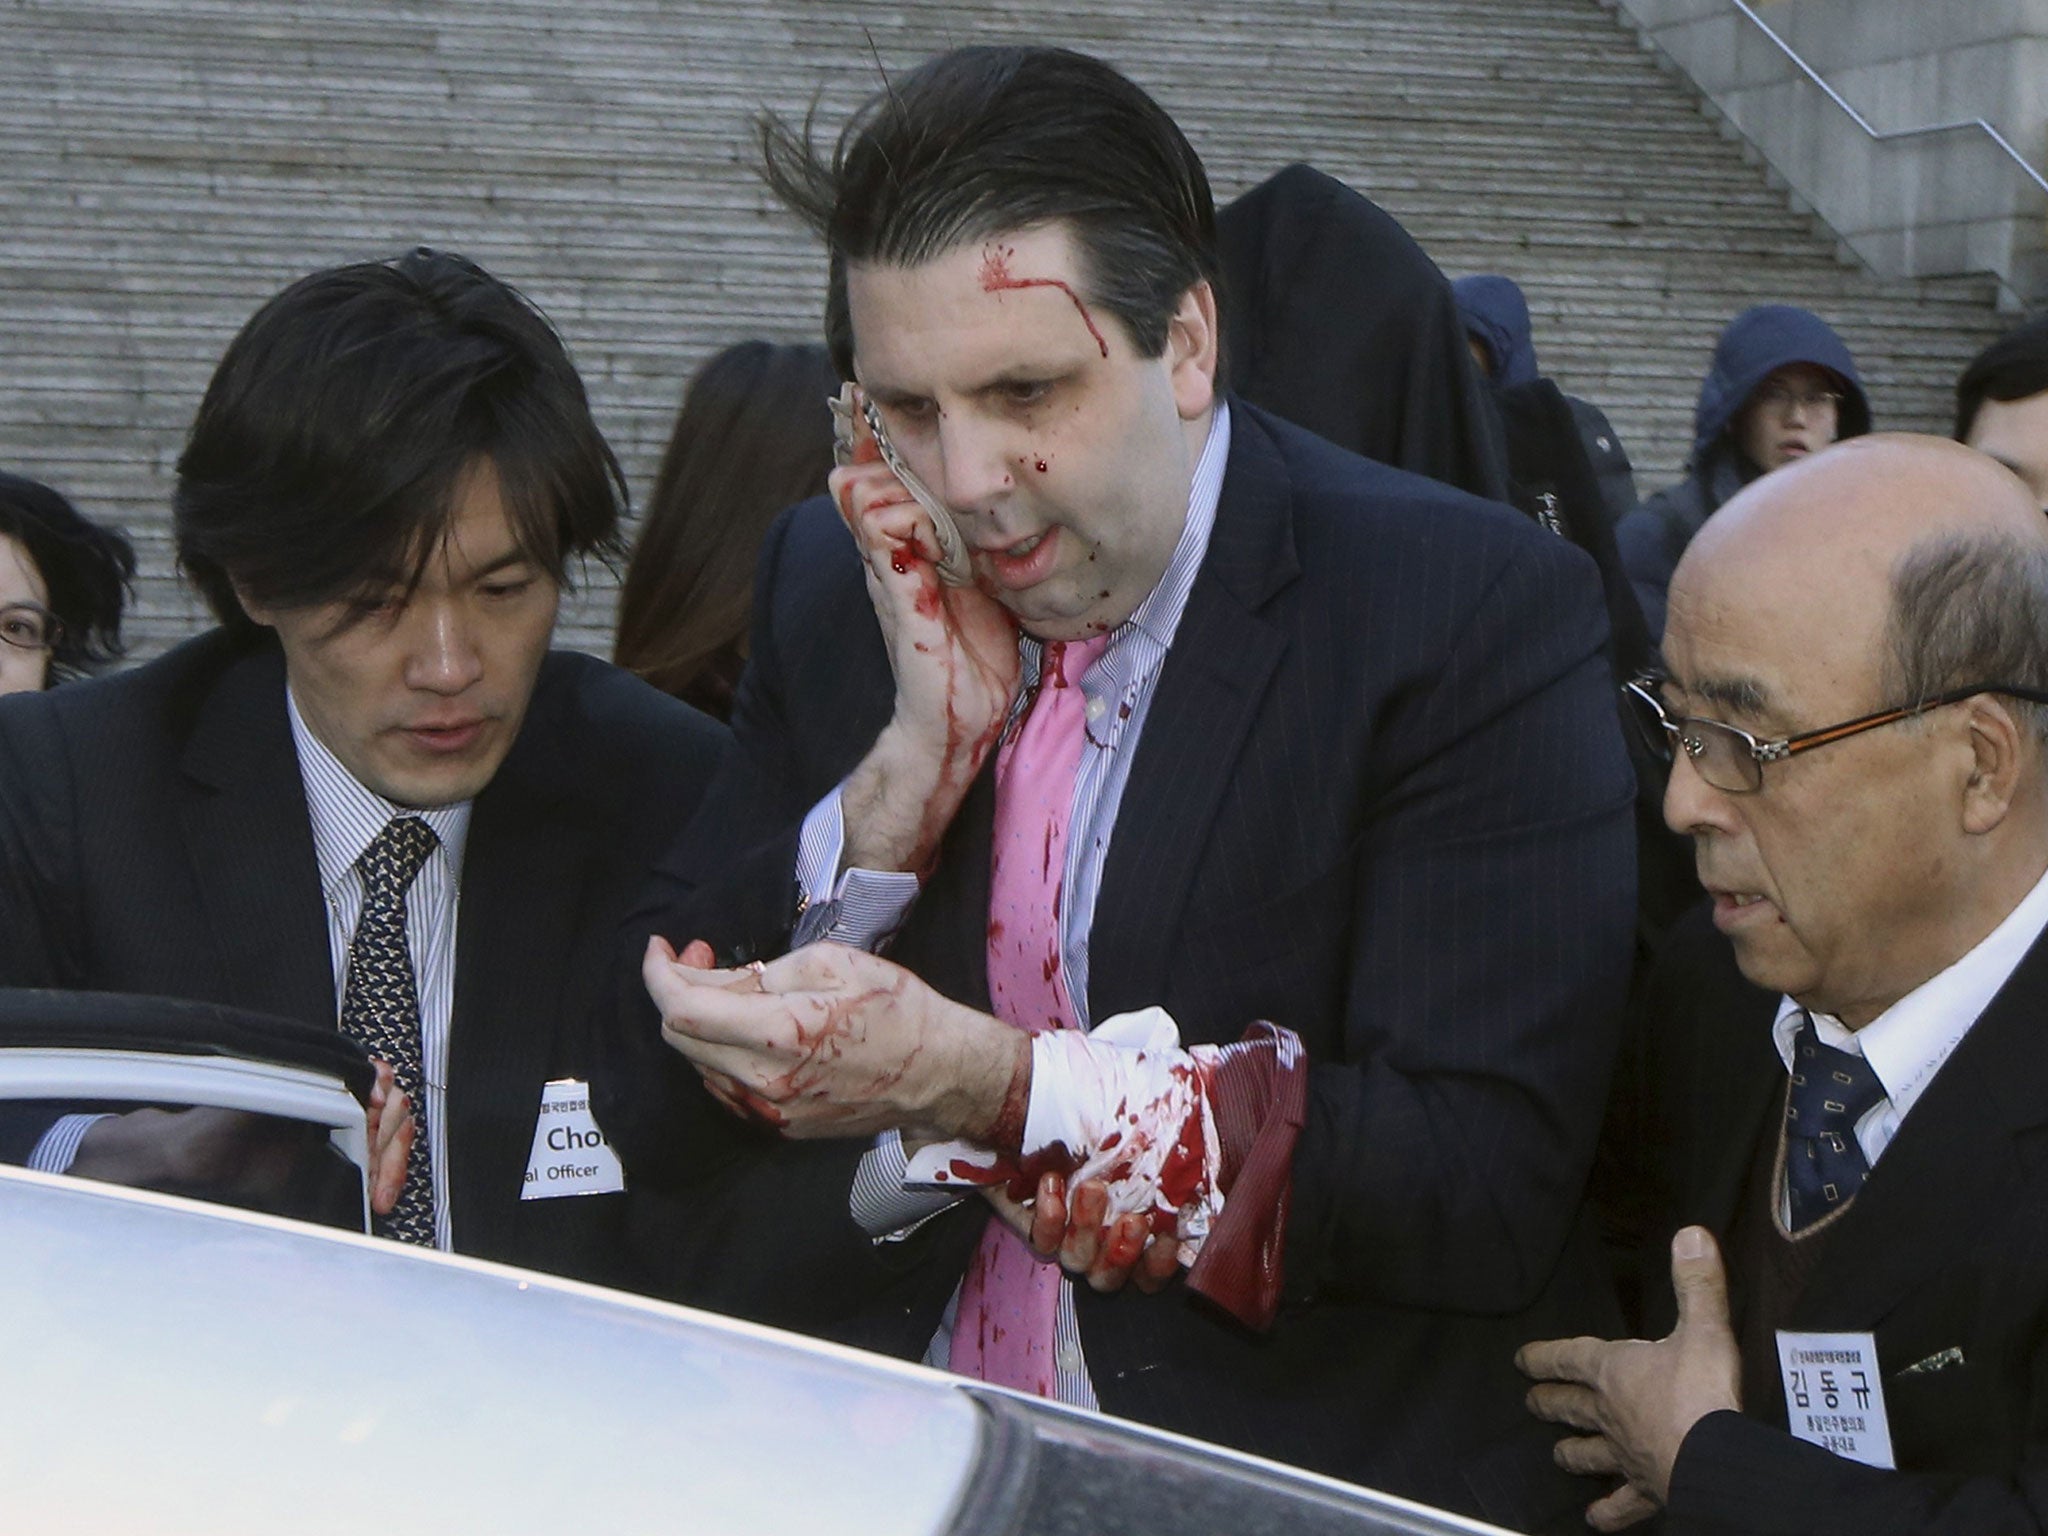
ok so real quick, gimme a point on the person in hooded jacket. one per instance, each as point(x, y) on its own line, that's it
point(1497, 329)
point(1782, 385)
point(1336, 319)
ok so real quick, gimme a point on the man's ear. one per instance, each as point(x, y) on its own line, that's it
point(1192, 341)
point(258, 613)
point(1999, 748)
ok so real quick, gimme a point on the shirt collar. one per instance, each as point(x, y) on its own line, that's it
point(1160, 614)
point(1907, 1043)
point(347, 817)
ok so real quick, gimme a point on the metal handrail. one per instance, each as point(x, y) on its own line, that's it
point(1870, 129)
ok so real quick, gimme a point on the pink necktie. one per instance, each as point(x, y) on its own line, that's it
point(1003, 1331)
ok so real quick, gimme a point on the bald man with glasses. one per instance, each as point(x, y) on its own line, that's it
point(1832, 1131)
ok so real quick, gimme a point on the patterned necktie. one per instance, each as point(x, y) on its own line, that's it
point(1009, 1301)
point(1831, 1091)
point(380, 1007)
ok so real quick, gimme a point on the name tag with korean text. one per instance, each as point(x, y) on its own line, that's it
point(1833, 1397)
point(570, 1155)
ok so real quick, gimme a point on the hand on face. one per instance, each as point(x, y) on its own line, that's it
point(832, 1041)
point(1638, 1400)
point(953, 649)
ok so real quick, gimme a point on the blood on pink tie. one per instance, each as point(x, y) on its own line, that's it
point(1009, 1300)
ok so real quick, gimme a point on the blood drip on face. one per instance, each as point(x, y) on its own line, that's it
point(996, 278)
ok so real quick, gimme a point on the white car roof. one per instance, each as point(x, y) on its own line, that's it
point(172, 1367)
point(182, 1369)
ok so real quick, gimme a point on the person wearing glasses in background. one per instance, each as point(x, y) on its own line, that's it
point(1782, 386)
point(62, 582)
point(1829, 1125)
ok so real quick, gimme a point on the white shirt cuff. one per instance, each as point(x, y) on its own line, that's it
point(880, 1204)
point(861, 908)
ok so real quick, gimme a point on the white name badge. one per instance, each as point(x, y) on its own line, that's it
point(570, 1155)
point(1833, 1397)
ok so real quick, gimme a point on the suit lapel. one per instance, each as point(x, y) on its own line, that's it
point(1948, 1173)
point(1734, 1049)
point(250, 842)
point(1209, 691)
point(525, 871)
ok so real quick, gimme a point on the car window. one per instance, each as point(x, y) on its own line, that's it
point(276, 1164)
point(1052, 1472)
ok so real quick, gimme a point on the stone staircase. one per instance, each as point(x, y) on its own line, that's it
point(167, 164)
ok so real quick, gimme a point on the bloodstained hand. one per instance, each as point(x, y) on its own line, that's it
point(1105, 1253)
point(832, 1041)
point(953, 654)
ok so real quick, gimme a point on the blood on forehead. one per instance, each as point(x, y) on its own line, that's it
point(997, 278)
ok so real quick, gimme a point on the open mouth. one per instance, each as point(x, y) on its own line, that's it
point(1734, 908)
point(1026, 562)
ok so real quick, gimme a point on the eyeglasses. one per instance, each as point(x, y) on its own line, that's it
point(1782, 397)
point(1733, 761)
point(29, 627)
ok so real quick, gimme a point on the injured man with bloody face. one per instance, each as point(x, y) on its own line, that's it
point(1175, 969)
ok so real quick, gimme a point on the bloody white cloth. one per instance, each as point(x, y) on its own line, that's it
point(1201, 1139)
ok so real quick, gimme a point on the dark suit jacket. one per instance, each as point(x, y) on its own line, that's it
point(154, 838)
point(1946, 1247)
point(1381, 798)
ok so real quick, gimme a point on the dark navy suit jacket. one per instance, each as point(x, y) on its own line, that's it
point(1943, 1258)
point(1381, 799)
point(154, 838)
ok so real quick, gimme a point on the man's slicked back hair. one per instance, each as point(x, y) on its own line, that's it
point(1970, 608)
point(985, 141)
point(326, 456)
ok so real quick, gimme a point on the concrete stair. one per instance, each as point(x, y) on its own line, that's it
point(167, 164)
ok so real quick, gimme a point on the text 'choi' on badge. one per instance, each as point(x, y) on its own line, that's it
point(570, 1155)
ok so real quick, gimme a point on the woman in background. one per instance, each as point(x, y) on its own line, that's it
point(62, 584)
point(754, 436)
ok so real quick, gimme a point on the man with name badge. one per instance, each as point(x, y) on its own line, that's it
point(1834, 1093)
point(1251, 820)
point(372, 798)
